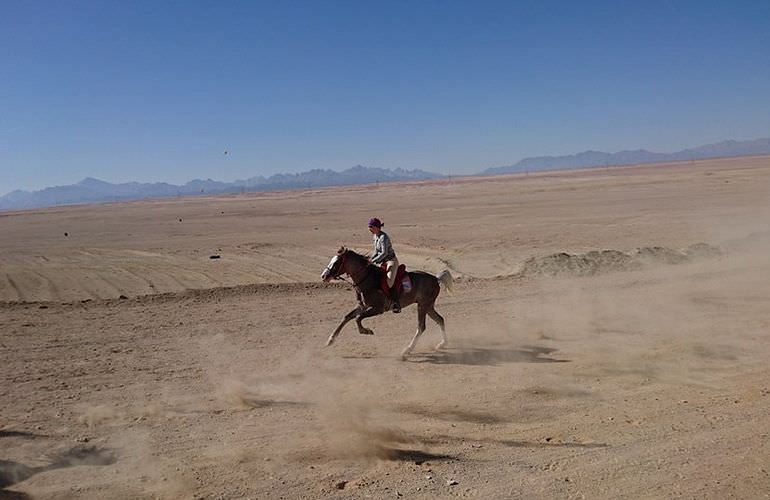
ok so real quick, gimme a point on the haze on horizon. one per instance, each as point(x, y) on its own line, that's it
point(157, 92)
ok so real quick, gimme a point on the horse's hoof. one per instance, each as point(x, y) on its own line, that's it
point(366, 331)
point(329, 342)
point(440, 345)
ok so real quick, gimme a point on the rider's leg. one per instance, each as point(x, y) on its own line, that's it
point(395, 306)
point(392, 268)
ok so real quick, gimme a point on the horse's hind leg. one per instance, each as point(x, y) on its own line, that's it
point(420, 328)
point(438, 319)
point(352, 314)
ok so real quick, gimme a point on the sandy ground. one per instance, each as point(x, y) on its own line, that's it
point(210, 378)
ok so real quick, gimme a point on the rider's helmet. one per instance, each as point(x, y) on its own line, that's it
point(375, 222)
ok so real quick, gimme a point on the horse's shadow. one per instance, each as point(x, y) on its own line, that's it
point(6, 433)
point(15, 472)
point(489, 356)
point(411, 455)
point(13, 495)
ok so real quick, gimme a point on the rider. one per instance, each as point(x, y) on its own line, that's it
point(383, 252)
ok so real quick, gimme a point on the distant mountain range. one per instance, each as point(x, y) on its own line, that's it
point(589, 159)
point(92, 190)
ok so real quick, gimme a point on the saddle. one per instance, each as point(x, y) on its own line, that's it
point(403, 282)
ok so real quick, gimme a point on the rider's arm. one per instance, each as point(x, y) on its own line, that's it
point(382, 249)
point(377, 253)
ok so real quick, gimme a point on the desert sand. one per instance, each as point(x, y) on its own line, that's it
point(609, 337)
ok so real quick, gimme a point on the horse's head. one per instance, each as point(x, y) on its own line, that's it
point(336, 266)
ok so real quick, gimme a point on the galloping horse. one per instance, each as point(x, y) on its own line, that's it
point(372, 300)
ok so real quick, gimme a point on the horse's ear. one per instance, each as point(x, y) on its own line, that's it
point(342, 250)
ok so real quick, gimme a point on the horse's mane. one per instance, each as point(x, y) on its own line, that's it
point(362, 258)
point(357, 255)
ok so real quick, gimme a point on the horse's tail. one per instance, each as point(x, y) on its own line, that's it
point(445, 278)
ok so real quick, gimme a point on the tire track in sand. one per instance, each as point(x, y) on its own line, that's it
point(53, 290)
point(149, 282)
point(15, 287)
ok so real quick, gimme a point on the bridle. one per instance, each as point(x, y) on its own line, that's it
point(343, 256)
point(341, 266)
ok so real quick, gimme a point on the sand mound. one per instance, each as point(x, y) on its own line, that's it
point(607, 261)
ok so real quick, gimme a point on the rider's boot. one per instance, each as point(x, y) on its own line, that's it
point(394, 305)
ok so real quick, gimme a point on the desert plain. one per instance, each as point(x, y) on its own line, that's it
point(609, 337)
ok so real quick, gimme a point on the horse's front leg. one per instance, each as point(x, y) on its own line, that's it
point(367, 313)
point(352, 314)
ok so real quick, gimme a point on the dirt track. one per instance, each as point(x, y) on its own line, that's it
point(651, 382)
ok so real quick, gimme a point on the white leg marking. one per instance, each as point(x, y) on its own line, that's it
point(444, 340)
point(411, 345)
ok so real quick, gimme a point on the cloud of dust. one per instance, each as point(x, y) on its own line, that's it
point(124, 437)
point(354, 430)
point(349, 416)
point(682, 324)
point(143, 471)
point(95, 416)
point(682, 318)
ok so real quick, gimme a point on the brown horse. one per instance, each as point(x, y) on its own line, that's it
point(372, 300)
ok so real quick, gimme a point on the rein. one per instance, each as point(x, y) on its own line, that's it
point(352, 278)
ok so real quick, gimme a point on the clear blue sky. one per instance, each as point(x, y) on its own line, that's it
point(156, 90)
